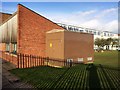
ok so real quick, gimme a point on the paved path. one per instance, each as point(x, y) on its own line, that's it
point(9, 80)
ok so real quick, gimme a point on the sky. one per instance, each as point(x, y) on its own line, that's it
point(102, 16)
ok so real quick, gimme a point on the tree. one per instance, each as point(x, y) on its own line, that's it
point(100, 43)
point(103, 42)
point(115, 42)
point(108, 43)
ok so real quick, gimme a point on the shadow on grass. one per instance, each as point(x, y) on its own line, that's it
point(94, 81)
point(93, 78)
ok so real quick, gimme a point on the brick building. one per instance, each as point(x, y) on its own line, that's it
point(25, 32)
point(75, 46)
point(4, 16)
point(20, 33)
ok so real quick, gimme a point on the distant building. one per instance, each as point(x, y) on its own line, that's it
point(96, 33)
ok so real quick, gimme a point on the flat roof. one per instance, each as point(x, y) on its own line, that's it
point(64, 30)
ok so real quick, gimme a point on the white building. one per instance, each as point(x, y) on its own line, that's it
point(97, 33)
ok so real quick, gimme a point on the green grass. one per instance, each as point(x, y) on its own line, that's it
point(109, 58)
point(39, 76)
point(78, 76)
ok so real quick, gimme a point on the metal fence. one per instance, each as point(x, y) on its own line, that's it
point(27, 61)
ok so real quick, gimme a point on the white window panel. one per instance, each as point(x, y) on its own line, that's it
point(89, 58)
point(68, 60)
point(80, 59)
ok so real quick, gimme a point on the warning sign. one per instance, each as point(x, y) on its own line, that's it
point(50, 44)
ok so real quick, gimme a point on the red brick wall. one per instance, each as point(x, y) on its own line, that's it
point(4, 16)
point(57, 40)
point(79, 45)
point(2, 47)
point(70, 45)
point(31, 31)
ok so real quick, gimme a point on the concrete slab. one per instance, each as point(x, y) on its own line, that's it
point(9, 80)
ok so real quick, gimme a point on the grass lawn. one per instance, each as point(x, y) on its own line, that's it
point(78, 76)
point(109, 58)
point(41, 76)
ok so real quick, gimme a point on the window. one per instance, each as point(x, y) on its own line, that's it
point(7, 47)
point(98, 33)
point(86, 31)
point(76, 29)
point(70, 28)
point(80, 59)
point(94, 33)
point(111, 34)
point(89, 58)
point(64, 27)
point(104, 34)
point(15, 47)
point(90, 31)
point(81, 30)
point(68, 60)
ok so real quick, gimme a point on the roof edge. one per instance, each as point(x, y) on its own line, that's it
point(12, 15)
point(39, 15)
point(6, 13)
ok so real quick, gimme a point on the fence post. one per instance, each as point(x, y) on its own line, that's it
point(35, 60)
point(28, 60)
point(32, 59)
point(18, 59)
point(70, 63)
point(65, 62)
point(47, 60)
point(23, 61)
point(39, 60)
point(43, 60)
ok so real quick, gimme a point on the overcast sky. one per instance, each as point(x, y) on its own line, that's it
point(96, 15)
